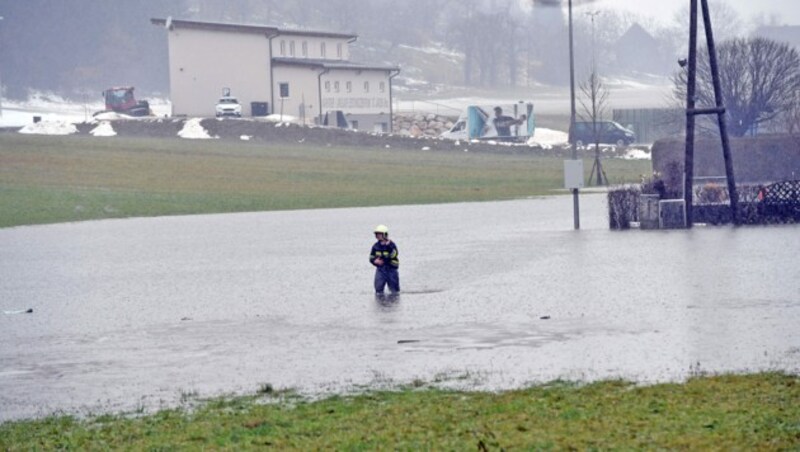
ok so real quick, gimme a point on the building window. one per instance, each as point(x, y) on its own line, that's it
point(366, 87)
point(339, 50)
point(305, 49)
point(283, 47)
point(327, 86)
point(291, 48)
point(322, 49)
point(348, 87)
point(283, 87)
point(382, 87)
point(335, 87)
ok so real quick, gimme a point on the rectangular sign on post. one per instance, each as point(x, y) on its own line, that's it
point(573, 174)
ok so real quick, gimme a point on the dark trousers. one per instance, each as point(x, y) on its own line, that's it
point(387, 275)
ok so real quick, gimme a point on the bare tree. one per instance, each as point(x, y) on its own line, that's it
point(594, 103)
point(760, 79)
point(789, 120)
point(727, 25)
point(487, 37)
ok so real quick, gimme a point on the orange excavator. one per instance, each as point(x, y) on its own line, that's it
point(120, 99)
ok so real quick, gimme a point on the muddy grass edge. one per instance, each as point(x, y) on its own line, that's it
point(726, 411)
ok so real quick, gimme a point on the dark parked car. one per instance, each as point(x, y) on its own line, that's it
point(781, 199)
point(609, 132)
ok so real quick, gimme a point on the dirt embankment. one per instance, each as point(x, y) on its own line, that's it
point(293, 134)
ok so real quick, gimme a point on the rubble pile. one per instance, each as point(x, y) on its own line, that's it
point(422, 125)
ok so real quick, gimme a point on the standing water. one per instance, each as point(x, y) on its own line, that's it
point(137, 313)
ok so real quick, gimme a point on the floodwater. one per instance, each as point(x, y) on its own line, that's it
point(144, 313)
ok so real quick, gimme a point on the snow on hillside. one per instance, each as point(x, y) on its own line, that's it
point(52, 107)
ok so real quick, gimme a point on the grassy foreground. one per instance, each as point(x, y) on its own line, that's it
point(48, 179)
point(751, 412)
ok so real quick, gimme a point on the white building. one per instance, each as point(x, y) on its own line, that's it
point(304, 74)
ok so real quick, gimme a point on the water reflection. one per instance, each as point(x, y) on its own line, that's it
point(388, 299)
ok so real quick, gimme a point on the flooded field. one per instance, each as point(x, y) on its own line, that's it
point(142, 313)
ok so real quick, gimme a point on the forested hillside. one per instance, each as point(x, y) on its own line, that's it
point(79, 47)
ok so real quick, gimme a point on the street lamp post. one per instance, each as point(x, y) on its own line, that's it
point(593, 14)
point(1, 81)
point(575, 202)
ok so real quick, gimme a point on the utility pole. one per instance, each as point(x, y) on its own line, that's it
point(1, 79)
point(575, 200)
point(688, 163)
point(692, 111)
point(720, 110)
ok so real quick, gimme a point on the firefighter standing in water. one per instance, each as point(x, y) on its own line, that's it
point(384, 257)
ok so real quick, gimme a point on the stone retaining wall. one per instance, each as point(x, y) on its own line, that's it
point(422, 125)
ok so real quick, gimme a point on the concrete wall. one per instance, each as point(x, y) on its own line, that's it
point(203, 62)
point(303, 100)
point(652, 124)
point(364, 97)
point(365, 104)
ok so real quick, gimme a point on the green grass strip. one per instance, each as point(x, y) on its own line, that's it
point(730, 412)
point(45, 179)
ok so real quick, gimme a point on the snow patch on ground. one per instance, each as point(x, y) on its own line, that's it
point(193, 130)
point(636, 154)
point(109, 116)
point(631, 153)
point(282, 119)
point(548, 137)
point(49, 128)
point(104, 129)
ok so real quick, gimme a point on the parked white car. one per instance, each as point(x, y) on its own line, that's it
point(228, 106)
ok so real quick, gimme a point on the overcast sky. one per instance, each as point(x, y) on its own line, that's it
point(787, 11)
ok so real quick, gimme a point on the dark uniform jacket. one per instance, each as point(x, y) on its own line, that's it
point(387, 252)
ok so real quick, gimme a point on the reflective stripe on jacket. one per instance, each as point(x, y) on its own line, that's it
point(387, 252)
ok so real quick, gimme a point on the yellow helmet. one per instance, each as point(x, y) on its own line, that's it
point(382, 229)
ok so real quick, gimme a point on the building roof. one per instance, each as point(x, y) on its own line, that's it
point(248, 28)
point(332, 64)
point(317, 34)
point(636, 36)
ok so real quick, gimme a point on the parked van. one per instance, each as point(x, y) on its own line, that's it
point(609, 132)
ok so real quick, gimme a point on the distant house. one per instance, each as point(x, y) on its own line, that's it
point(304, 74)
point(638, 50)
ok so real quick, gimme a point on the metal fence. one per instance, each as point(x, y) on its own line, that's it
point(651, 124)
